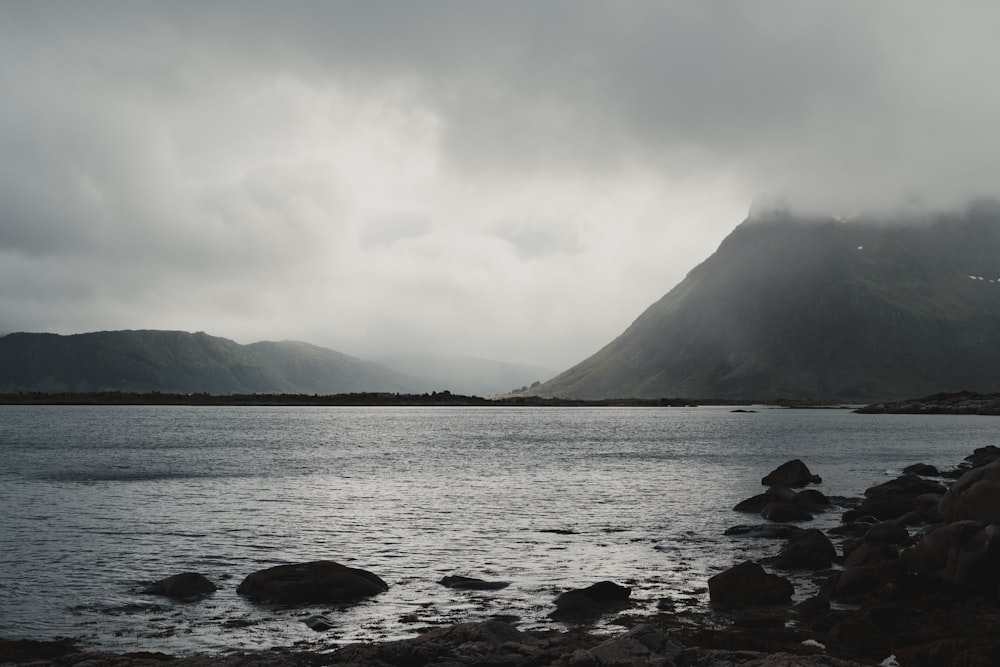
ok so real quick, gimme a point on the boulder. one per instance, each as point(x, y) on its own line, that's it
point(808, 550)
point(183, 585)
point(981, 456)
point(811, 500)
point(974, 496)
point(887, 532)
point(869, 553)
point(923, 469)
point(907, 485)
point(316, 581)
point(772, 531)
point(644, 644)
point(592, 601)
point(793, 474)
point(757, 503)
point(963, 553)
point(471, 583)
point(784, 512)
point(884, 507)
point(748, 585)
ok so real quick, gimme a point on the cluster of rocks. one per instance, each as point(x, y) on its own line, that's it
point(911, 573)
point(954, 403)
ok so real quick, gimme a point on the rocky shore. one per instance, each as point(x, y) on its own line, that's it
point(957, 403)
point(909, 577)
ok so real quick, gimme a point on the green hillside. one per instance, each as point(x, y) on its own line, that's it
point(818, 308)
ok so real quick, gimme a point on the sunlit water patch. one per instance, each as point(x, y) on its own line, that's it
point(98, 501)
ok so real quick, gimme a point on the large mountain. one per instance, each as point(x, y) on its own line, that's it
point(181, 362)
point(792, 307)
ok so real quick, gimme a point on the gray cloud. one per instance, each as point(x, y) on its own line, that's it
point(440, 174)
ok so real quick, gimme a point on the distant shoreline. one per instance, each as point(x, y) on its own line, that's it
point(359, 399)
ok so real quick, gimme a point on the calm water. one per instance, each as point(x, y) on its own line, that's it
point(97, 501)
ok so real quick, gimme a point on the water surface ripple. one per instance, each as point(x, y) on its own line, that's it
point(99, 500)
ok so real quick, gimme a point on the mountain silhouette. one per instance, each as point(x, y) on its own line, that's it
point(818, 307)
point(182, 362)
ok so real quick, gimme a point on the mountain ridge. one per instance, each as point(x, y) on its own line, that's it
point(818, 308)
point(146, 360)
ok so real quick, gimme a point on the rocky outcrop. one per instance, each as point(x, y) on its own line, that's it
point(748, 585)
point(183, 585)
point(317, 581)
point(793, 474)
point(591, 602)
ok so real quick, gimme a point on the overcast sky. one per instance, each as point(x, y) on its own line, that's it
point(510, 180)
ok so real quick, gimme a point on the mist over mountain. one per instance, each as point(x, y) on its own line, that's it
point(181, 362)
point(818, 307)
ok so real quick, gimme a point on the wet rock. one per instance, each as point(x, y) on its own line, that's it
point(854, 529)
point(923, 469)
point(808, 550)
point(183, 585)
point(784, 512)
point(907, 485)
point(592, 601)
point(974, 496)
point(956, 652)
point(854, 584)
point(773, 531)
point(885, 507)
point(811, 500)
point(793, 474)
point(982, 456)
point(317, 581)
point(812, 605)
point(319, 623)
point(748, 585)
point(869, 553)
point(887, 532)
point(642, 645)
point(756, 504)
point(472, 584)
point(964, 554)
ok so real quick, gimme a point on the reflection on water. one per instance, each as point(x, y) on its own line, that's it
point(99, 500)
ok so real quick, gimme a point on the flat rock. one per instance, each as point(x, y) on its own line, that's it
point(183, 585)
point(317, 581)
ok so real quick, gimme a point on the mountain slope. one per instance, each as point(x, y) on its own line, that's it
point(181, 362)
point(816, 308)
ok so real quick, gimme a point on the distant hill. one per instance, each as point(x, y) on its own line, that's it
point(853, 309)
point(181, 362)
point(467, 375)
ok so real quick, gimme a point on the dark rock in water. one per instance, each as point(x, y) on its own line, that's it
point(982, 456)
point(853, 529)
point(472, 584)
point(885, 506)
point(812, 605)
point(772, 531)
point(757, 503)
point(591, 601)
point(887, 532)
point(975, 496)
point(923, 469)
point(319, 623)
point(907, 485)
point(808, 550)
point(869, 553)
point(317, 581)
point(793, 474)
point(785, 511)
point(748, 585)
point(184, 585)
point(858, 583)
point(811, 500)
point(644, 644)
point(963, 553)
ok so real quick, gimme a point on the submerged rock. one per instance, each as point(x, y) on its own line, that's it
point(317, 581)
point(183, 585)
point(471, 583)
